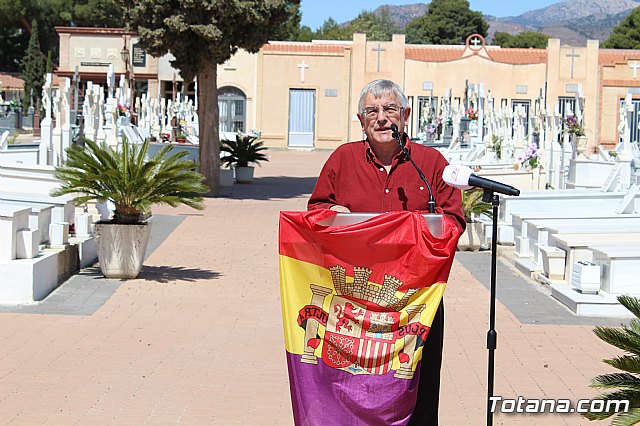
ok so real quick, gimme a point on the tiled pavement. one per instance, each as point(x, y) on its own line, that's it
point(197, 338)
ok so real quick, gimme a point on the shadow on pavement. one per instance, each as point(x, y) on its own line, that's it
point(166, 274)
point(267, 188)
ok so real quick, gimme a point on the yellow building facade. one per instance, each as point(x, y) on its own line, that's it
point(305, 94)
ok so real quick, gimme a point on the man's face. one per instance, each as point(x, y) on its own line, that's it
point(379, 115)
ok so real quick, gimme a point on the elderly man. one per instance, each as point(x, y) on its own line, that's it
point(374, 175)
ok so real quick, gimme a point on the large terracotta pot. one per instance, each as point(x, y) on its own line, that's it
point(121, 248)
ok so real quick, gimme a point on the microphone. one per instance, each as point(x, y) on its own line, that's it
point(462, 177)
point(432, 201)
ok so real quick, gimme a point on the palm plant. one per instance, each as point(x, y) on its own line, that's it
point(244, 150)
point(627, 383)
point(473, 206)
point(128, 179)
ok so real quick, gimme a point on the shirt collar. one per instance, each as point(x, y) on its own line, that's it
point(371, 156)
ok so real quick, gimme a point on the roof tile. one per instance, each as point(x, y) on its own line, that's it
point(303, 48)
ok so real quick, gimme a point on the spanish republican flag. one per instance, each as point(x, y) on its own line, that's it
point(357, 304)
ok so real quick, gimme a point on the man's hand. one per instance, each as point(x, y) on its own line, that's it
point(340, 209)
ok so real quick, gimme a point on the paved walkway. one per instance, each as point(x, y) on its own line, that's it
point(197, 338)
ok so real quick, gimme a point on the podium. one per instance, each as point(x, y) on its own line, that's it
point(435, 222)
point(359, 292)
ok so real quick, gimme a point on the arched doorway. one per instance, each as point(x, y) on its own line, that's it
point(232, 103)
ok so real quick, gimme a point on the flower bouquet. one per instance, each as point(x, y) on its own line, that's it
point(123, 110)
point(573, 127)
point(531, 157)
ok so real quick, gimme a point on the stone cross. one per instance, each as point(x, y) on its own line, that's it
point(111, 81)
point(66, 112)
point(302, 67)
point(76, 87)
point(379, 49)
point(99, 94)
point(46, 96)
point(88, 111)
point(634, 65)
point(572, 56)
point(579, 105)
point(122, 94)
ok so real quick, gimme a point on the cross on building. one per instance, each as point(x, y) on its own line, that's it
point(378, 49)
point(475, 41)
point(302, 67)
point(634, 65)
point(572, 56)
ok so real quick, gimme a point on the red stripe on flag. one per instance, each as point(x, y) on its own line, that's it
point(388, 244)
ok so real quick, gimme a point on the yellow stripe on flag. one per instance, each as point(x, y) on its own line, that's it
point(296, 281)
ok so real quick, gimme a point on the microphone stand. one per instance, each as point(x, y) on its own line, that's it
point(492, 334)
point(432, 202)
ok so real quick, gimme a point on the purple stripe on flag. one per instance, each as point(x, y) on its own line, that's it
point(326, 396)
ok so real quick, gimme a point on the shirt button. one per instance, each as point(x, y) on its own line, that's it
point(422, 188)
point(386, 190)
point(382, 169)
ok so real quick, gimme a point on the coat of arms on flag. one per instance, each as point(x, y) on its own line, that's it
point(357, 339)
point(357, 303)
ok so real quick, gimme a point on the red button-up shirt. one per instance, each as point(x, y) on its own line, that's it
point(354, 178)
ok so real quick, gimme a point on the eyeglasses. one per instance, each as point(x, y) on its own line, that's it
point(390, 110)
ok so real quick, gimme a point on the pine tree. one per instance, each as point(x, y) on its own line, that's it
point(525, 40)
point(32, 69)
point(446, 22)
point(627, 34)
point(49, 66)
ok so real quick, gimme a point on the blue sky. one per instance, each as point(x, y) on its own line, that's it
point(315, 12)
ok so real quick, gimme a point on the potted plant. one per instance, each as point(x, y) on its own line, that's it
point(246, 149)
point(226, 171)
point(132, 183)
point(181, 137)
point(473, 207)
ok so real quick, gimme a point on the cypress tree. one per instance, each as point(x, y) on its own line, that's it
point(32, 69)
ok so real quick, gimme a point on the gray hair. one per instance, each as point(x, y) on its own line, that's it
point(380, 88)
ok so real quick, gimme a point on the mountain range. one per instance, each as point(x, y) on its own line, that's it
point(572, 21)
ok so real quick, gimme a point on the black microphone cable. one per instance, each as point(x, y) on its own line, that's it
point(432, 200)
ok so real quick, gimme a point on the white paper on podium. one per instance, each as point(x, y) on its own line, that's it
point(435, 222)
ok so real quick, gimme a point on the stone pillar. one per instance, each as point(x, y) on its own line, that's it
point(311, 330)
point(36, 120)
point(406, 368)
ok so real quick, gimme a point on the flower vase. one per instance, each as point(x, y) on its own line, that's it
point(123, 120)
point(448, 133)
point(473, 127)
point(581, 146)
point(573, 140)
point(430, 137)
